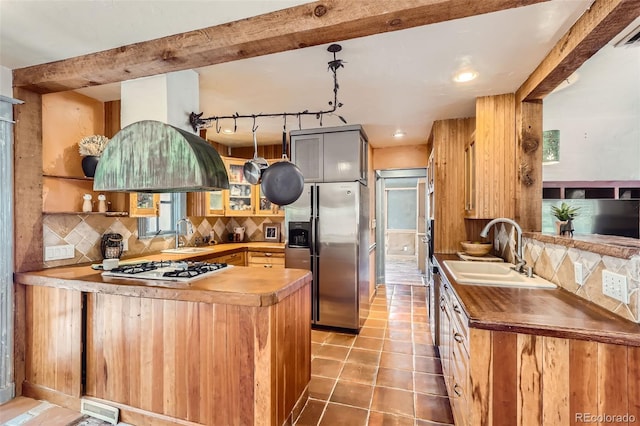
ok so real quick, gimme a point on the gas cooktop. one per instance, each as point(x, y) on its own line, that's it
point(167, 271)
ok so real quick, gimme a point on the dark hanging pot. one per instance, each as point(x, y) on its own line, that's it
point(89, 164)
point(282, 182)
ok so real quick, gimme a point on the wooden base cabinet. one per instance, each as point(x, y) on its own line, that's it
point(167, 362)
point(505, 378)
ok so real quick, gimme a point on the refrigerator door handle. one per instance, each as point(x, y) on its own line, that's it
point(317, 299)
point(317, 227)
point(312, 198)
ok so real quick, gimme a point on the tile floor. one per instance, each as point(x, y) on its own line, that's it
point(389, 374)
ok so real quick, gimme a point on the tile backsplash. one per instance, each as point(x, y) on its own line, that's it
point(84, 232)
point(555, 263)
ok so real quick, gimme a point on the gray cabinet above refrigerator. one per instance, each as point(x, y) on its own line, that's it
point(331, 154)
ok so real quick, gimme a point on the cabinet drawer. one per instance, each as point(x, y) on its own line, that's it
point(266, 259)
point(237, 259)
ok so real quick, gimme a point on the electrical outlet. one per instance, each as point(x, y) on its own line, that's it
point(615, 285)
point(577, 272)
point(59, 252)
point(125, 244)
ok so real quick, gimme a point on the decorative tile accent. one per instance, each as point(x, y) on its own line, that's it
point(555, 263)
point(85, 232)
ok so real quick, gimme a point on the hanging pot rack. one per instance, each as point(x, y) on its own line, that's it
point(199, 122)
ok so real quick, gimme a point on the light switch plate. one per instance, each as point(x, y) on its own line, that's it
point(59, 252)
point(615, 285)
point(577, 271)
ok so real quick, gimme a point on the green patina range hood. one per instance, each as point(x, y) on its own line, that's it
point(151, 156)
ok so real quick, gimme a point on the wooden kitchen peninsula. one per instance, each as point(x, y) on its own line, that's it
point(230, 349)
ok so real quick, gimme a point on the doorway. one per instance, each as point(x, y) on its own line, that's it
point(398, 215)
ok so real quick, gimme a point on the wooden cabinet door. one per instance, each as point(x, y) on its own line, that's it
point(144, 205)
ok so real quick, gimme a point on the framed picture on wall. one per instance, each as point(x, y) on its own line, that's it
point(271, 231)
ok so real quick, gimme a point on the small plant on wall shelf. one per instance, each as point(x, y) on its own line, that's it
point(564, 212)
point(92, 145)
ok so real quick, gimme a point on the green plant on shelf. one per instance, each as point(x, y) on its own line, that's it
point(564, 212)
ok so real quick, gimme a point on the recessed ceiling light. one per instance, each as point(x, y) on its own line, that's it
point(227, 131)
point(464, 76)
point(399, 134)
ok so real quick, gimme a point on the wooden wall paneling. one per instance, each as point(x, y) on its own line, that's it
point(613, 377)
point(54, 339)
point(556, 382)
point(449, 137)
point(481, 366)
point(528, 195)
point(264, 353)
point(495, 156)
point(530, 362)
point(583, 372)
point(505, 376)
point(28, 244)
point(111, 118)
point(633, 363)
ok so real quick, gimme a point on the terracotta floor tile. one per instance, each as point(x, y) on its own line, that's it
point(428, 365)
point(397, 361)
point(424, 350)
point(370, 343)
point(420, 318)
point(387, 419)
point(372, 332)
point(395, 401)
point(434, 408)
point(326, 367)
point(392, 378)
point(378, 314)
point(365, 374)
point(378, 307)
point(327, 351)
point(321, 387)
point(340, 339)
point(311, 413)
point(351, 393)
point(422, 337)
point(342, 415)
point(395, 334)
point(399, 325)
point(430, 383)
point(364, 357)
point(397, 346)
point(319, 336)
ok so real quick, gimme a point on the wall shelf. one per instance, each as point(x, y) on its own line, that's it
point(108, 214)
point(68, 177)
point(585, 190)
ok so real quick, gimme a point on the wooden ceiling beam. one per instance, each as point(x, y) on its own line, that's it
point(596, 27)
point(297, 27)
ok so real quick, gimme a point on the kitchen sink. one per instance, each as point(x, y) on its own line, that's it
point(493, 274)
point(185, 250)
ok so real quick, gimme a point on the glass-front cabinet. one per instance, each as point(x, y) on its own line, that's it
point(144, 204)
point(214, 202)
point(241, 199)
point(266, 207)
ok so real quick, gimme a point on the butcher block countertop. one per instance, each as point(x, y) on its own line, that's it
point(235, 285)
point(547, 312)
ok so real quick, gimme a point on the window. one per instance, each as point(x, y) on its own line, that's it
point(173, 206)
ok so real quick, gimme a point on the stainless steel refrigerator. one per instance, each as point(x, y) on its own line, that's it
point(327, 232)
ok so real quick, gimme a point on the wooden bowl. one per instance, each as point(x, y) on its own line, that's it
point(476, 248)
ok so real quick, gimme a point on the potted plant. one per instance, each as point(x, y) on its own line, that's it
point(91, 148)
point(565, 215)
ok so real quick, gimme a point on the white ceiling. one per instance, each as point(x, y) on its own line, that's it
point(393, 81)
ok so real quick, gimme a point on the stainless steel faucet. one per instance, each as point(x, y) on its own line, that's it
point(520, 262)
point(189, 229)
